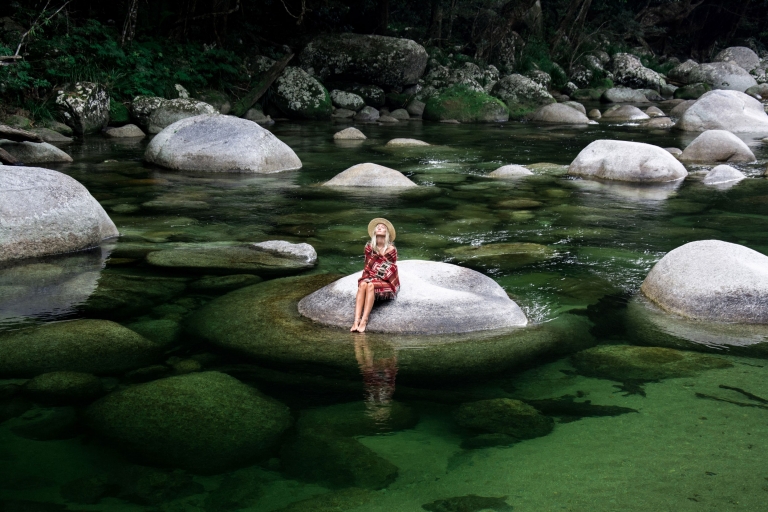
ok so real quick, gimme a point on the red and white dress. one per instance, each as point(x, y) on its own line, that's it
point(382, 272)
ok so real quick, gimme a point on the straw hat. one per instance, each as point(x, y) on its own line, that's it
point(378, 220)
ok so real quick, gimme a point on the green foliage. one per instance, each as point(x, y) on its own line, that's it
point(463, 104)
point(535, 55)
point(118, 113)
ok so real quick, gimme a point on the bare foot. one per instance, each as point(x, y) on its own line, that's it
point(354, 327)
point(362, 324)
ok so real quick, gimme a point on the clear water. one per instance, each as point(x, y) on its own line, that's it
point(678, 451)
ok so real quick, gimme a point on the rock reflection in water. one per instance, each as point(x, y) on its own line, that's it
point(379, 374)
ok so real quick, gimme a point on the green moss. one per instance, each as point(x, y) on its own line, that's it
point(118, 113)
point(466, 105)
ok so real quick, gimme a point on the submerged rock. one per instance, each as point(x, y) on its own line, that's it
point(627, 363)
point(224, 283)
point(171, 111)
point(219, 143)
point(469, 503)
point(343, 499)
point(91, 346)
point(559, 113)
point(505, 255)
point(723, 174)
point(45, 424)
point(299, 95)
point(85, 107)
point(510, 171)
point(711, 280)
point(504, 416)
point(438, 298)
point(64, 387)
point(406, 143)
point(725, 110)
point(627, 161)
point(356, 419)
point(370, 175)
point(717, 146)
point(349, 134)
point(369, 59)
point(205, 422)
point(46, 212)
point(465, 105)
point(35, 153)
point(129, 131)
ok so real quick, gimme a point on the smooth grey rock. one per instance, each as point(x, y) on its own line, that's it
point(406, 143)
point(578, 106)
point(711, 280)
point(257, 116)
point(219, 143)
point(416, 108)
point(142, 107)
point(623, 95)
point(654, 112)
point(560, 114)
point(723, 174)
point(434, 298)
point(682, 72)
point(369, 175)
point(85, 106)
point(349, 134)
point(387, 119)
point(740, 55)
point(46, 212)
point(342, 113)
point(35, 152)
point(171, 111)
point(629, 71)
point(680, 109)
point(658, 122)
point(347, 100)
point(722, 75)
point(128, 131)
point(717, 146)
point(302, 251)
point(668, 90)
point(206, 422)
point(90, 346)
point(594, 114)
point(367, 114)
point(400, 114)
point(624, 113)
point(674, 151)
point(49, 135)
point(627, 161)
point(725, 110)
point(510, 171)
point(300, 96)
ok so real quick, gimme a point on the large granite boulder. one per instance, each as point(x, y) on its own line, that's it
point(368, 59)
point(171, 111)
point(35, 152)
point(205, 422)
point(560, 114)
point(711, 280)
point(682, 72)
point(85, 107)
point(299, 95)
point(627, 161)
point(628, 70)
point(740, 55)
point(219, 143)
point(465, 105)
point(434, 298)
point(521, 94)
point(370, 175)
point(347, 100)
point(142, 107)
point(624, 113)
point(91, 346)
point(722, 75)
point(724, 110)
point(717, 146)
point(623, 95)
point(46, 212)
point(723, 174)
point(371, 94)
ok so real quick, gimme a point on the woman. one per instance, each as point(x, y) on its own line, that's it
point(380, 280)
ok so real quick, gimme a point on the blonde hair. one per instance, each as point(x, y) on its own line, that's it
point(387, 243)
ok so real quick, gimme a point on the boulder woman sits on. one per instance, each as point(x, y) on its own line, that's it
point(380, 280)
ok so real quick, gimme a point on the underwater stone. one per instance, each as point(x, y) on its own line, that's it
point(406, 143)
point(711, 280)
point(627, 161)
point(510, 171)
point(224, 283)
point(238, 490)
point(91, 346)
point(469, 503)
point(724, 110)
point(506, 255)
point(45, 424)
point(220, 143)
point(205, 422)
point(435, 298)
point(504, 416)
point(124, 295)
point(356, 419)
point(349, 134)
point(172, 111)
point(723, 174)
point(717, 146)
point(64, 387)
point(626, 362)
point(35, 152)
point(369, 175)
point(344, 499)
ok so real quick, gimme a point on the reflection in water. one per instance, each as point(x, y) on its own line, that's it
point(378, 378)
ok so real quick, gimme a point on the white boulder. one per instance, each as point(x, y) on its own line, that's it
point(370, 175)
point(717, 146)
point(510, 171)
point(627, 161)
point(349, 134)
point(724, 110)
point(723, 174)
point(560, 114)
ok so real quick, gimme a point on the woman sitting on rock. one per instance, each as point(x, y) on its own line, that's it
point(379, 281)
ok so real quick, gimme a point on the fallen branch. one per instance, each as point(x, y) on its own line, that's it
point(37, 22)
point(6, 158)
point(247, 101)
point(18, 135)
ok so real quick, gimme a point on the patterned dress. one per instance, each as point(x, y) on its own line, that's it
point(382, 272)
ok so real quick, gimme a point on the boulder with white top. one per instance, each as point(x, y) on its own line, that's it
point(299, 95)
point(405, 143)
point(170, 111)
point(219, 143)
point(510, 171)
point(724, 110)
point(723, 174)
point(628, 70)
point(370, 175)
point(627, 161)
point(349, 134)
point(722, 75)
point(559, 114)
point(85, 106)
point(46, 212)
point(623, 95)
point(624, 113)
point(435, 298)
point(717, 146)
point(347, 100)
point(740, 55)
point(711, 280)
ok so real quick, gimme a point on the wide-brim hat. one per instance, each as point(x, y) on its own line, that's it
point(379, 220)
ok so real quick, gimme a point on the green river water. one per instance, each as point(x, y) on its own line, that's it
point(666, 445)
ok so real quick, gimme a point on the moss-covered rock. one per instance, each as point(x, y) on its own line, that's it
point(521, 94)
point(300, 96)
point(123, 295)
point(170, 111)
point(64, 387)
point(206, 422)
point(344, 499)
point(372, 95)
point(504, 416)
point(627, 362)
point(469, 503)
point(85, 107)
point(506, 255)
point(692, 91)
point(92, 346)
point(465, 105)
point(218, 284)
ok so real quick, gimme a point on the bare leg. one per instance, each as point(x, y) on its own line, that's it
point(369, 299)
point(359, 303)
